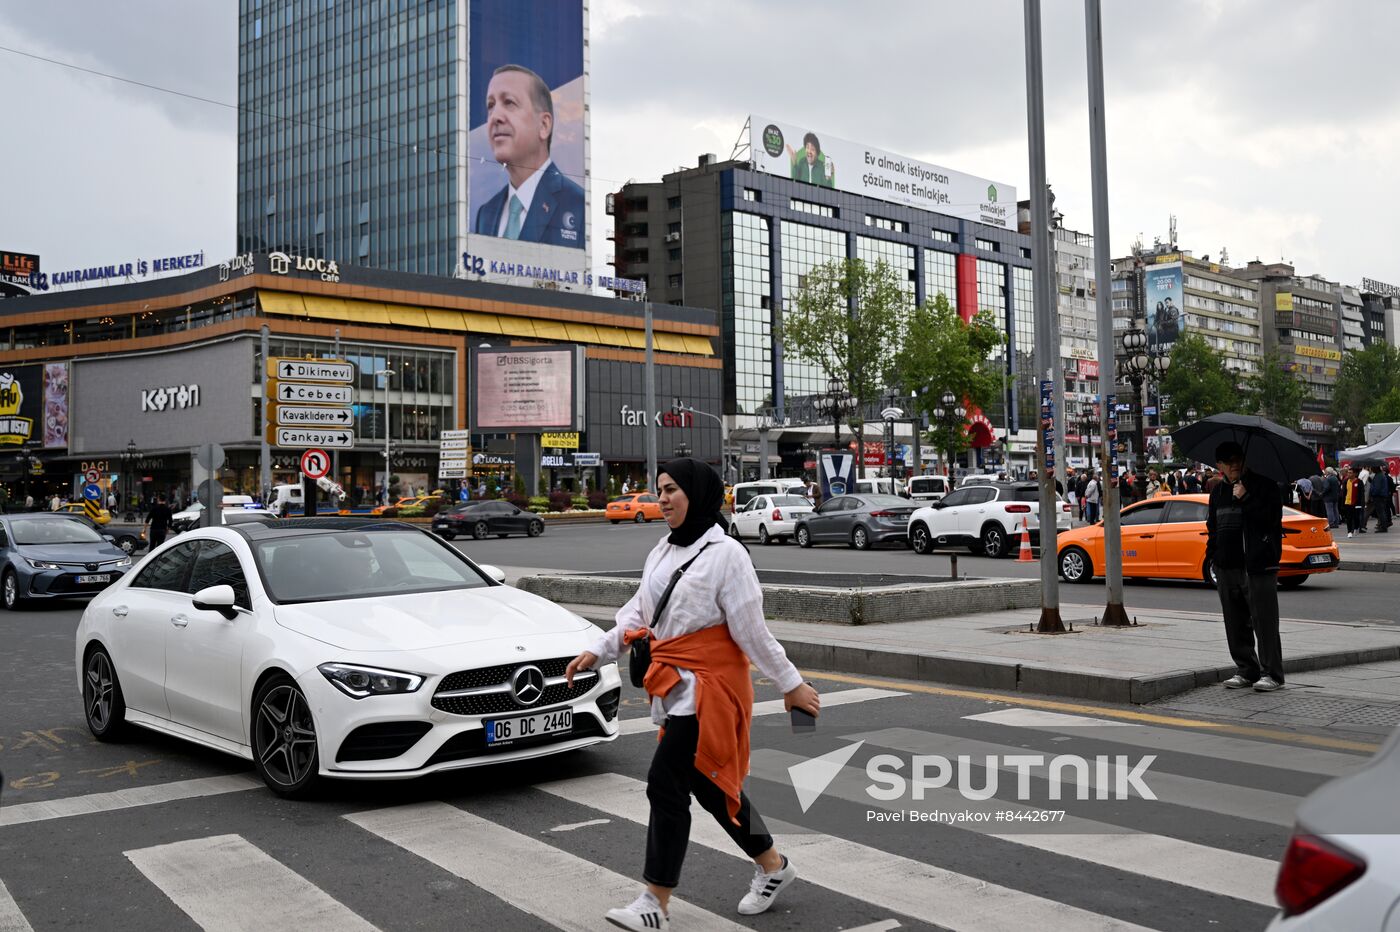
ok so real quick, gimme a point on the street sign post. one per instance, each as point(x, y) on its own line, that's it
point(285, 415)
point(311, 370)
point(308, 393)
point(332, 437)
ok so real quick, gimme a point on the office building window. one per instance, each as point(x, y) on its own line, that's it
point(804, 248)
point(988, 245)
point(752, 195)
point(747, 318)
point(940, 275)
point(808, 207)
point(943, 236)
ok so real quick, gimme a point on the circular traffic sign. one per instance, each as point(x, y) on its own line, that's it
point(92, 476)
point(92, 492)
point(315, 463)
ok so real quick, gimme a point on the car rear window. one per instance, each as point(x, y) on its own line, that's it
point(889, 501)
point(788, 501)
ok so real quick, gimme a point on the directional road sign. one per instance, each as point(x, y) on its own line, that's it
point(454, 434)
point(310, 437)
point(308, 416)
point(451, 473)
point(310, 370)
point(462, 444)
point(308, 393)
point(92, 492)
point(315, 463)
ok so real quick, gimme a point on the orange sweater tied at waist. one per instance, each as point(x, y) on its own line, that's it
point(723, 700)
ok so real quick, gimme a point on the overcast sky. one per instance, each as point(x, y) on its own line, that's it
point(1270, 127)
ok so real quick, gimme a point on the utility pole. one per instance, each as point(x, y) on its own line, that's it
point(265, 452)
point(1114, 612)
point(1046, 347)
point(650, 378)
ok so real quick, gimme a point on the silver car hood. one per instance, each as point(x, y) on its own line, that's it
point(428, 620)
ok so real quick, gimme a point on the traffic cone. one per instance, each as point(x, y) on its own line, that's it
point(1025, 556)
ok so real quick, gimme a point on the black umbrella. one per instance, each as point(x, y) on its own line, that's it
point(1269, 450)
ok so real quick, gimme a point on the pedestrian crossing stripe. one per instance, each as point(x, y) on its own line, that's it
point(11, 919)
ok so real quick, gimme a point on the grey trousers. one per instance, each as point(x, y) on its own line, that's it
point(1249, 602)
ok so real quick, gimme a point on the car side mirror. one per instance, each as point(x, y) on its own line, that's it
point(216, 599)
point(495, 572)
point(109, 538)
point(938, 504)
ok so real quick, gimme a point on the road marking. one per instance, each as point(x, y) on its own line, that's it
point(1272, 734)
point(1241, 802)
point(889, 881)
point(226, 884)
point(11, 919)
point(1258, 753)
point(575, 826)
point(1157, 857)
point(643, 724)
point(884, 926)
point(126, 799)
point(501, 861)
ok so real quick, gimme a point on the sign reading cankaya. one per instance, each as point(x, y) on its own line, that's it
point(803, 155)
point(34, 405)
point(528, 389)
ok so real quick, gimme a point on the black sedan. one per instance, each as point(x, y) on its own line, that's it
point(482, 519)
point(859, 521)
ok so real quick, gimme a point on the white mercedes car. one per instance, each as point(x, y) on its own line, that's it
point(769, 517)
point(328, 647)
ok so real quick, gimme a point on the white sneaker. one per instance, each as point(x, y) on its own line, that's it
point(1349, 535)
point(644, 913)
point(764, 888)
point(1267, 684)
point(1237, 682)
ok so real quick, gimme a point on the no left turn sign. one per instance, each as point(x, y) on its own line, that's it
point(315, 463)
point(92, 476)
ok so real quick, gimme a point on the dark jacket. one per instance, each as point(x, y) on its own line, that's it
point(1245, 533)
point(555, 216)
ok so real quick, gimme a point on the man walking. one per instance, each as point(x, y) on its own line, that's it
point(1378, 495)
point(1092, 491)
point(1332, 497)
point(1244, 528)
point(158, 519)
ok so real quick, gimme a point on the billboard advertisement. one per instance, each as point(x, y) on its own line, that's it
point(525, 146)
point(1163, 300)
point(16, 268)
point(802, 154)
point(34, 405)
point(526, 389)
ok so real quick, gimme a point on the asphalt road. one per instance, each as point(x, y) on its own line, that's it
point(1335, 597)
point(550, 844)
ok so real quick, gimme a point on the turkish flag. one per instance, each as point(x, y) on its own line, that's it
point(1320, 464)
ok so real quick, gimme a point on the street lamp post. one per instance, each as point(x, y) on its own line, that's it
point(387, 374)
point(130, 456)
point(723, 435)
point(948, 413)
point(1341, 436)
point(1141, 366)
point(835, 403)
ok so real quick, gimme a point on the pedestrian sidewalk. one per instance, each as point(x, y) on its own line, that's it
point(1371, 552)
point(1167, 653)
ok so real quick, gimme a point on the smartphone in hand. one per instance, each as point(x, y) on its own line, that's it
point(803, 722)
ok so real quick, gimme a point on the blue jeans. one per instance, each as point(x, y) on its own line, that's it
point(1334, 516)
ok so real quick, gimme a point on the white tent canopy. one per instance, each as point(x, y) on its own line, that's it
point(1384, 449)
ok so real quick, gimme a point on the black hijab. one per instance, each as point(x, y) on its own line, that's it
point(706, 496)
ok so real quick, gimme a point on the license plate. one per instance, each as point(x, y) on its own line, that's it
point(100, 578)
point(506, 730)
point(1320, 559)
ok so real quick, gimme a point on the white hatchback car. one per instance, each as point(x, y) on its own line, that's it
point(769, 518)
point(986, 518)
point(338, 648)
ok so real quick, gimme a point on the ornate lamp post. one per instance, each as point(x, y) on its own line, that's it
point(836, 403)
point(949, 414)
point(1141, 366)
point(130, 457)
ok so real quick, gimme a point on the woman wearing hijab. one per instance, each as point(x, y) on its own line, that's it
point(701, 694)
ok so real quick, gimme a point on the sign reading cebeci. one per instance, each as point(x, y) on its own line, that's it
point(308, 392)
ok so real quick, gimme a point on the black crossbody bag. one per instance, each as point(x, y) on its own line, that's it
point(640, 659)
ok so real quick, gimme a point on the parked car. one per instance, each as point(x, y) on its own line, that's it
point(78, 508)
point(769, 518)
point(1166, 538)
point(408, 501)
point(880, 486)
point(927, 489)
point(338, 647)
point(745, 492)
point(232, 504)
point(634, 506)
point(1341, 869)
point(482, 519)
point(978, 479)
point(859, 521)
point(131, 538)
point(53, 556)
point(985, 518)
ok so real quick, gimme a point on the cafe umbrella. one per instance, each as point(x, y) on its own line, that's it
point(1269, 450)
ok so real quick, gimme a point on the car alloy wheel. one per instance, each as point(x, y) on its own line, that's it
point(1075, 566)
point(920, 540)
point(536, 528)
point(1208, 574)
point(10, 589)
point(994, 541)
point(103, 704)
point(860, 539)
point(480, 531)
point(804, 536)
point(640, 518)
point(284, 738)
point(127, 543)
point(763, 537)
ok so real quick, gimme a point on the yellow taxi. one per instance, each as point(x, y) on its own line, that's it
point(77, 508)
point(406, 502)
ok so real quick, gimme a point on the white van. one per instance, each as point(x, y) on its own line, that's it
point(929, 488)
point(880, 486)
point(744, 492)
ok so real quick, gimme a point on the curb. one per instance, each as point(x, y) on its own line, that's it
point(1375, 566)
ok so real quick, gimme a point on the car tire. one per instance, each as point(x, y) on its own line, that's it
point(448, 535)
point(1292, 582)
point(480, 531)
point(920, 540)
point(804, 536)
point(9, 591)
point(103, 704)
point(1076, 566)
point(994, 541)
point(763, 537)
point(535, 529)
point(640, 518)
point(284, 738)
point(860, 538)
point(1208, 574)
point(128, 544)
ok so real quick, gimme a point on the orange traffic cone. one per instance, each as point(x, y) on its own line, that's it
point(1025, 556)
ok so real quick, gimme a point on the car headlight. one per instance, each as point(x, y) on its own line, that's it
point(358, 682)
point(42, 564)
point(125, 561)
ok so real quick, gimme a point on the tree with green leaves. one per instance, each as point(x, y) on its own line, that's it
point(1275, 391)
point(1368, 390)
point(942, 354)
point(847, 319)
point(1197, 378)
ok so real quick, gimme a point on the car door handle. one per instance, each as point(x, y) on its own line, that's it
point(120, 611)
point(180, 620)
point(1147, 536)
point(1204, 534)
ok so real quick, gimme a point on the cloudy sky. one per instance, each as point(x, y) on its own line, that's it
point(1270, 127)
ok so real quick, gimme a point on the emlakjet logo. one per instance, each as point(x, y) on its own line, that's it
point(1101, 777)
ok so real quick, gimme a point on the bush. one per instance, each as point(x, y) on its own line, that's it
point(560, 501)
point(432, 507)
point(597, 500)
point(412, 511)
point(519, 501)
point(538, 503)
point(579, 501)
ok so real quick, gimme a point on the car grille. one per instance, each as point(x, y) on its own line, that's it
point(472, 743)
point(499, 675)
point(381, 740)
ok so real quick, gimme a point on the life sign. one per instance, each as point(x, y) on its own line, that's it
point(306, 393)
point(310, 370)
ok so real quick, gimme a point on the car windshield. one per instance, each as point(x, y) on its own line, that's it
point(53, 531)
point(788, 501)
point(360, 564)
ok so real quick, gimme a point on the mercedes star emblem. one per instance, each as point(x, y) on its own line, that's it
point(527, 685)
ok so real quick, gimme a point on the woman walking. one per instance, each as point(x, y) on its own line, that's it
point(701, 694)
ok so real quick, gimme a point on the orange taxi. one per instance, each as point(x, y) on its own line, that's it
point(1165, 537)
point(635, 506)
point(406, 502)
